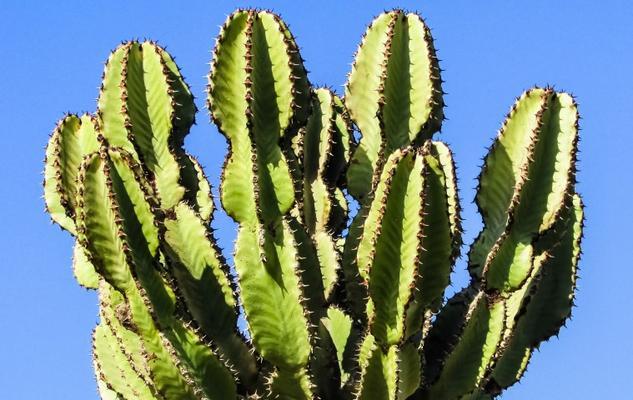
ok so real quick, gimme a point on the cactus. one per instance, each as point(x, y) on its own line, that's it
point(335, 307)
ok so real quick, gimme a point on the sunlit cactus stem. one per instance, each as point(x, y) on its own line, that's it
point(348, 226)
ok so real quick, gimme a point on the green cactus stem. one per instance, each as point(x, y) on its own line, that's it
point(393, 93)
point(332, 308)
point(527, 198)
point(325, 146)
point(257, 96)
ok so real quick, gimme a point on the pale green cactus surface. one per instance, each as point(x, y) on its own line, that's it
point(336, 307)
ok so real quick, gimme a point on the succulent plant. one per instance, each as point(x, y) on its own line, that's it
point(337, 304)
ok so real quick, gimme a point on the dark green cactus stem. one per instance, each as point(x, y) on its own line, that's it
point(333, 309)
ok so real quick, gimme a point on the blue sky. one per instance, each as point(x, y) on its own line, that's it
point(52, 56)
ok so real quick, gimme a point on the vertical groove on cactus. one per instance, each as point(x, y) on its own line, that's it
point(333, 309)
point(358, 247)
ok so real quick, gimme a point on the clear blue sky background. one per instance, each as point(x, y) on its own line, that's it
point(51, 62)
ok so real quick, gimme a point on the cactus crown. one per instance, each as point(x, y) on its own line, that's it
point(335, 309)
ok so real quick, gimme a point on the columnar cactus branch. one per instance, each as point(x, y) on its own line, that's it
point(118, 352)
point(527, 199)
point(393, 93)
point(202, 276)
point(325, 146)
point(548, 300)
point(146, 108)
point(515, 215)
point(73, 138)
point(333, 308)
point(255, 97)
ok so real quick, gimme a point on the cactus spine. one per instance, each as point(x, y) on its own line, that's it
point(335, 309)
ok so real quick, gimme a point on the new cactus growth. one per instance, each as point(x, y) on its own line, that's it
point(334, 308)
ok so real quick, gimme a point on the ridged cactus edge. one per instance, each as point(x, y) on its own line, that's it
point(337, 304)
